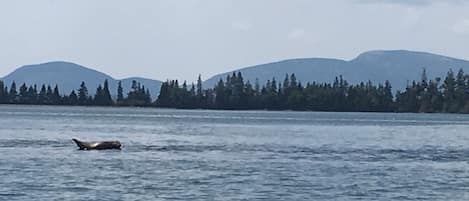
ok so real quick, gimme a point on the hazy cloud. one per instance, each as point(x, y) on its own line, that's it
point(296, 34)
point(163, 39)
point(413, 2)
point(241, 26)
point(461, 27)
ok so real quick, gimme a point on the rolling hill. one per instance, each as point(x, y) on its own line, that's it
point(68, 77)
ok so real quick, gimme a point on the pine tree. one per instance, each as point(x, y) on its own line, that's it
point(137, 95)
point(32, 95)
point(163, 99)
point(107, 100)
point(83, 97)
point(56, 98)
point(147, 97)
point(98, 97)
point(199, 86)
point(13, 94)
point(449, 93)
point(388, 105)
point(23, 95)
point(460, 91)
point(42, 98)
point(73, 98)
point(120, 93)
point(220, 94)
point(3, 94)
point(49, 95)
point(199, 93)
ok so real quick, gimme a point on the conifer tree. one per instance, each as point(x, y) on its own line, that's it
point(199, 86)
point(98, 97)
point(220, 94)
point(42, 98)
point(3, 93)
point(449, 93)
point(56, 98)
point(83, 97)
point(107, 100)
point(23, 95)
point(73, 98)
point(120, 93)
point(13, 94)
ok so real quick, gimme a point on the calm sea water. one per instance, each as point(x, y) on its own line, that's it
point(232, 155)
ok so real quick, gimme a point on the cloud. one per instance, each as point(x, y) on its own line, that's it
point(413, 2)
point(412, 16)
point(241, 26)
point(296, 34)
point(461, 27)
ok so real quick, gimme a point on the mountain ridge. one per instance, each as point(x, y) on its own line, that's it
point(68, 76)
point(397, 66)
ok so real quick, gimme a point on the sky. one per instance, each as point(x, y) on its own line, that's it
point(179, 39)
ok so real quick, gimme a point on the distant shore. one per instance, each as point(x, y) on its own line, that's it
point(450, 95)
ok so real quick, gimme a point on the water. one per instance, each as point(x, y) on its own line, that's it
point(230, 155)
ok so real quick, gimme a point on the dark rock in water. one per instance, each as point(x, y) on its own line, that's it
point(97, 145)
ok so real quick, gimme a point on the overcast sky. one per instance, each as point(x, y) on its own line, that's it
point(182, 38)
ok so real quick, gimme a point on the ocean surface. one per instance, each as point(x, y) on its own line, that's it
point(231, 155)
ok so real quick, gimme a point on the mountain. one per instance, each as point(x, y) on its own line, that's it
point(397, 66)
point(68, 76)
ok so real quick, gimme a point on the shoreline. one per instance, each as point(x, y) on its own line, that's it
point(227, 110)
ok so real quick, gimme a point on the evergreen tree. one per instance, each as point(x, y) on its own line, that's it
point(23, 95)
point(42, 98)
point(56, 98)
point(138, 95)
point(13, 94)
point(107, 100)
point(32, 95)
point(83, 98)
point(199, 86)
point(460, 91)
point(99, 97)
point(49, 95)
point(436, 98)
point(163, 99)
point(120, 93)
point(449, 93)
point(220, 95)
point(3, 93)
point(73, 98)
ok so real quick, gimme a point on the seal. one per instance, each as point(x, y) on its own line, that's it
point(97, 145)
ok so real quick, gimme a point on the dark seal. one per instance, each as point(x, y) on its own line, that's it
point(97, 145)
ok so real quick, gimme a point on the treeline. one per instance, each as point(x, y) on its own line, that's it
point(427, 96)
point(46, 95)
point(234, 93)
point(449, 95)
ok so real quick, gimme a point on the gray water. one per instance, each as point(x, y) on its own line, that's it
point(231, 155)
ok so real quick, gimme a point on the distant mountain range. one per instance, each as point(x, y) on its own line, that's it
point(397, 66)
point(68, 76)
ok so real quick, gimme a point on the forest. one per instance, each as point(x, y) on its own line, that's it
point(448, 95)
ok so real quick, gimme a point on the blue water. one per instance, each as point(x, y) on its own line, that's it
point(231, 155)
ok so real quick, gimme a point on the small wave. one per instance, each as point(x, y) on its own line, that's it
point(179, 148)
point(21, 143)
point(12, 194)
point(435, 154)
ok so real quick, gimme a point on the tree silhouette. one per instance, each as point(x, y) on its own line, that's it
point(83, 98)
